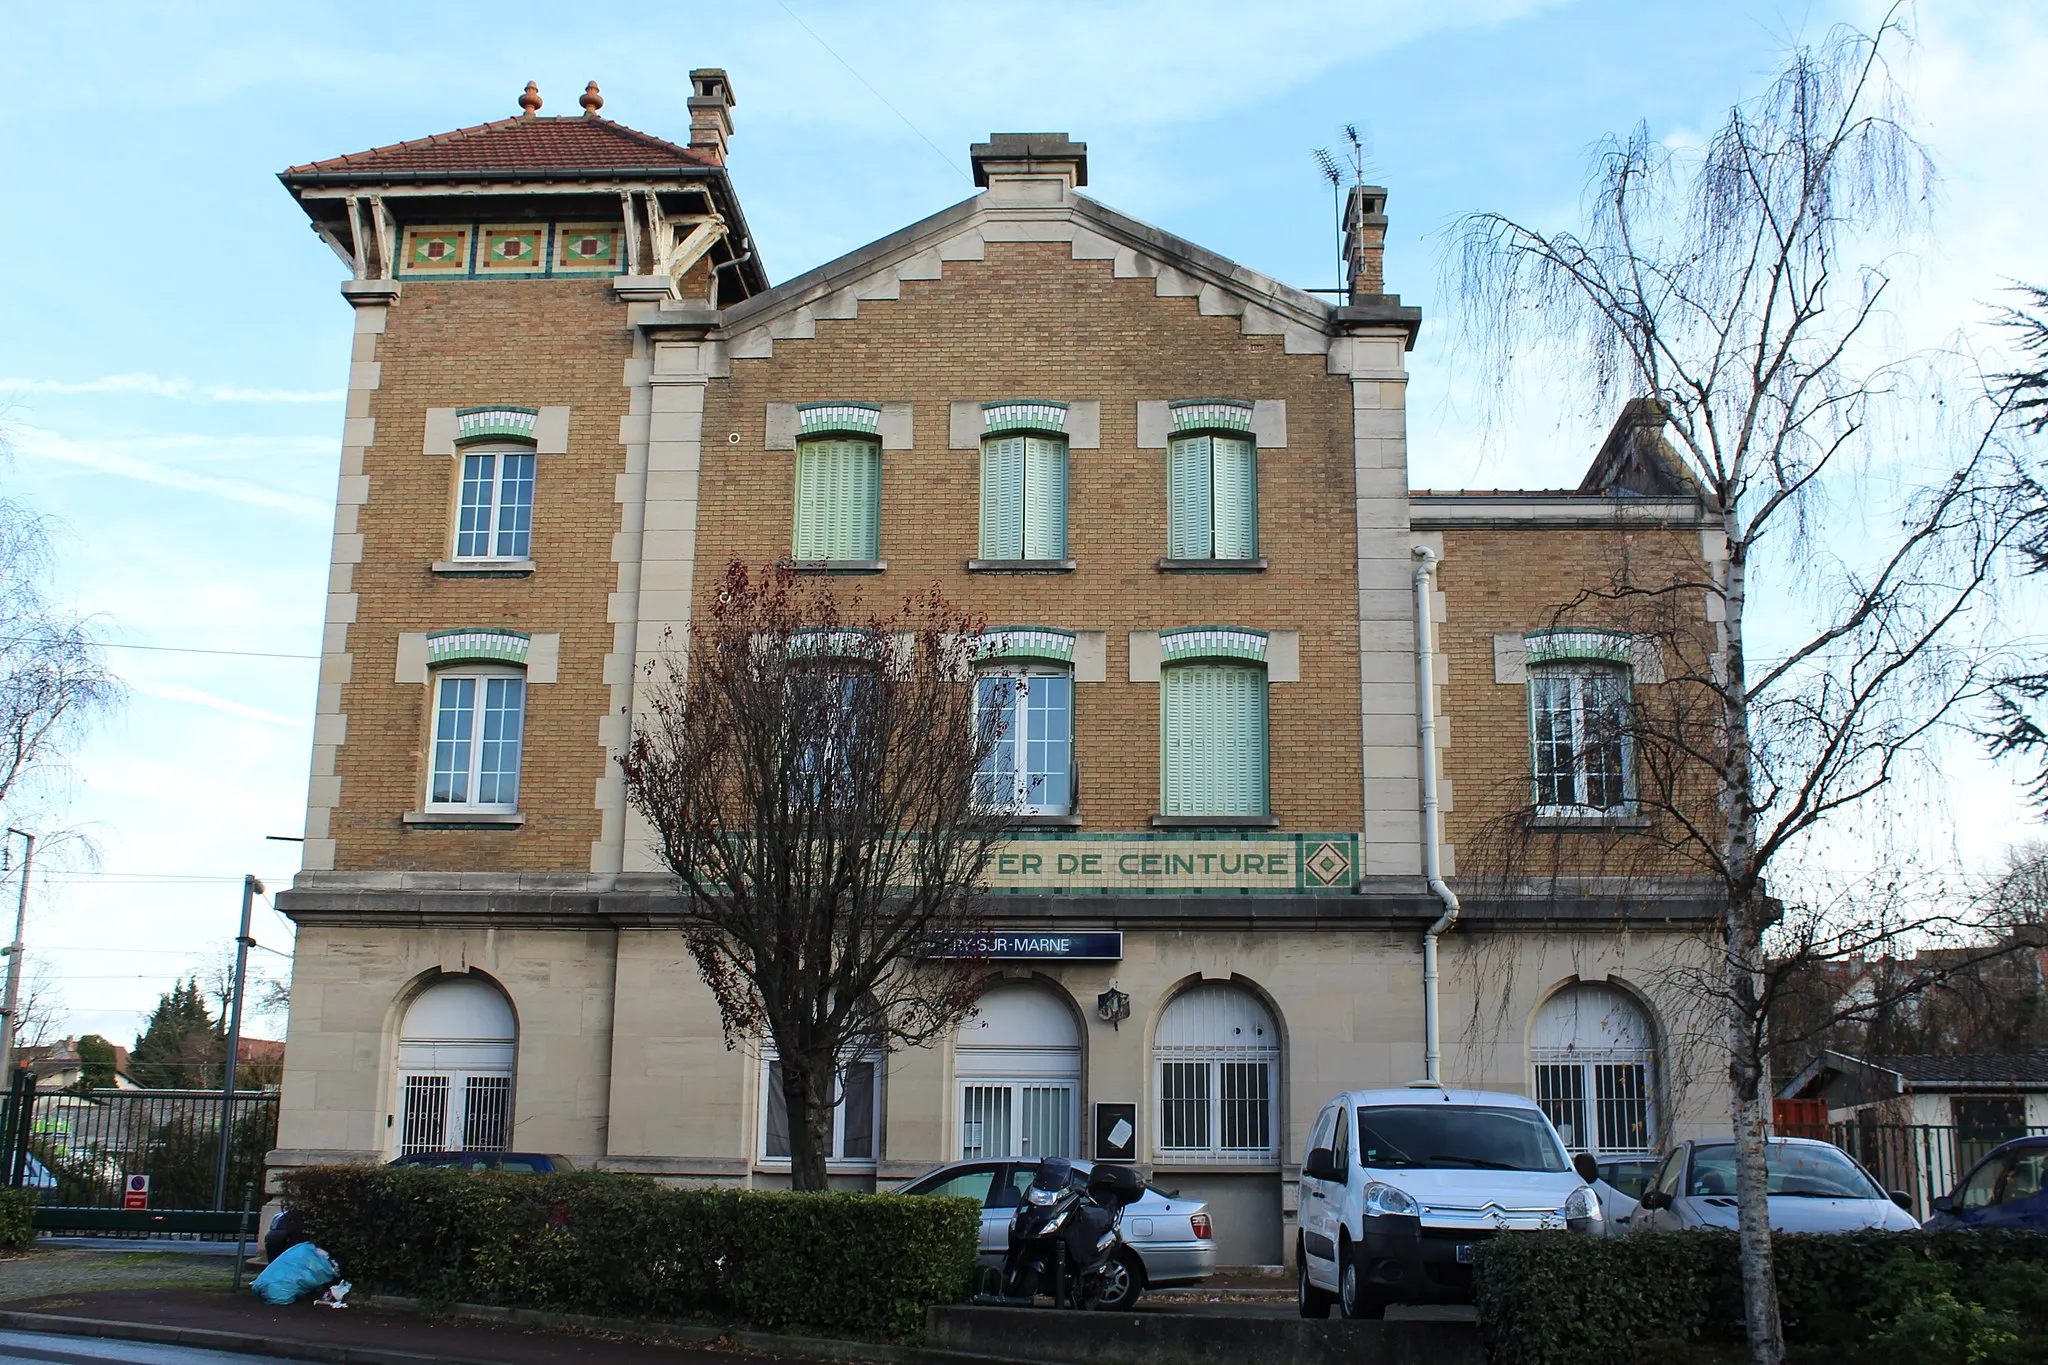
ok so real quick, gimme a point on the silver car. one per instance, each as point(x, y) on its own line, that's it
point(1173, 1239)
point(1813, 1186)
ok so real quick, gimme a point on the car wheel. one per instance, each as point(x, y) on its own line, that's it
point(1357, 1302)
point(1123, 1280)
point(1313, 1302)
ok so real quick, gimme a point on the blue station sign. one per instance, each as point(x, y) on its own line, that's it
point(1038, 945)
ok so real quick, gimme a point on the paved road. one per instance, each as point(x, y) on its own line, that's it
point(40, 1346)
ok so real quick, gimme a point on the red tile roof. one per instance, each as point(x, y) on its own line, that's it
point(516, 146)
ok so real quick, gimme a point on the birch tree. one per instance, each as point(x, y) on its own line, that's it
point(808, 774)
point(1741, 289)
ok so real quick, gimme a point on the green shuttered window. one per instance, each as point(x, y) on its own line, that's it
point(838, 499)
point(1212, 498)
point(1024, 498)
point(1213, 740)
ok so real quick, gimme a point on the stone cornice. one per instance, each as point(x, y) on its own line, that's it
point(600, 904)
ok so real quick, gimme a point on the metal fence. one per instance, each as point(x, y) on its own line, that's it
point(91, 1141)
point(1923, 1160)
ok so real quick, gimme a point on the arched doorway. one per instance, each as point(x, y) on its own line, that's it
point(1018, 1064)
point(1594, 1063)
point(457, 1050)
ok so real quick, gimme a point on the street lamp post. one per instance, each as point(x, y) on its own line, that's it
point(251, 889)
point(12, 1003)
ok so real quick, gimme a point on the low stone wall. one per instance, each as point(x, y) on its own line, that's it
point(1154, 1338)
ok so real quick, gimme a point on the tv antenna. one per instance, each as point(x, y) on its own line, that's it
point(1357, 151)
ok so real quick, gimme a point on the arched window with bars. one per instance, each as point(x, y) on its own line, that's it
point(1593, 1059)
point(1217, 1063)
point(457, 1051)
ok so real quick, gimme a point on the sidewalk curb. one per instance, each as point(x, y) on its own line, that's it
point(300, 1348)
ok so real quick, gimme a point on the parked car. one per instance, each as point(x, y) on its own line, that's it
point(1168, 1240)
point(524, 1163)
point(1621, 1183)
point(2007, 1189)
point(1399, 1186)
point(1813, 1186)
point(36, 1176)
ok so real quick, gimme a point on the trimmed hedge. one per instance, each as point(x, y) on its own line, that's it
point(624, 1246)
point(17, 1218)
point(1558, 1298)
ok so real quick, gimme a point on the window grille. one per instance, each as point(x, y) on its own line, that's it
point(1217, 1053)
point(426, 1115)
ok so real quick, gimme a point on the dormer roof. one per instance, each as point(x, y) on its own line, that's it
point(523, 147)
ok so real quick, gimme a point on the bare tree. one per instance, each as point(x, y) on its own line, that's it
point(2019, 716)
point(53, 680)
point(809, 776)
point(1738, 291)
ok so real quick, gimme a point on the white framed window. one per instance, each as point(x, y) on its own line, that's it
point(1217, 1060)
point(1579, 749)
point(856, 1114)
point(838, 499)
point(457, 1049)
point(1018, 1064)
point(1030, 766)
point(494, 505)
point(479, 725)
point(1593, 1067)
point(1024, 497)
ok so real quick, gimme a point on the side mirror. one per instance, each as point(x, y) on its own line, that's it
point(1588, 1169)
point(1943, 1203)
point(1654, 1199)
point(1320, 1165)
point(1903, 1200)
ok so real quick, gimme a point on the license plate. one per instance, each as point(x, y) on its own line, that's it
point(1465, 1253)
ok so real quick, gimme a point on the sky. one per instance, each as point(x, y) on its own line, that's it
point(171, 382)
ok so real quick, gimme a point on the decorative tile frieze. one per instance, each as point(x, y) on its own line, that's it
point(477, 646)
point(1554, 646)
point(1027, 415)
point(438, 250)
point(821, 419)
point(1212, 642)
point(519, 248)
point(495, 424)
point(587, 249)
point(1026, 642)
point(1211, 414)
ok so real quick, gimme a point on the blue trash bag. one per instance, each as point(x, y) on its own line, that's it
point(301, 1272)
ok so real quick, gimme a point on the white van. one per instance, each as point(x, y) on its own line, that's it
point(1398, 1186)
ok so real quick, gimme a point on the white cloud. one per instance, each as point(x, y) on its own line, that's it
point(157, 386)
point(112, 457)
point(192, 696)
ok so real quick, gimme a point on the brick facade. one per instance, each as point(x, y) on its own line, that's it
point(666, 461)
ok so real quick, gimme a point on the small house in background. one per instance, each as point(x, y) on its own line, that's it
point(1989, 1096)
point(1918, 1122)
point(59, 1067)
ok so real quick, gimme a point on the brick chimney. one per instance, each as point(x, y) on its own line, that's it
point(710, 112)
point(1365, 242)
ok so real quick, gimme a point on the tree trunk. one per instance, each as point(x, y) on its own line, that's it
point(807, 1093)
point(1743, 965)
point(1750, 1115)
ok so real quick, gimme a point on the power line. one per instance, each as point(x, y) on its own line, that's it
point(951, 164)
point(169, 649)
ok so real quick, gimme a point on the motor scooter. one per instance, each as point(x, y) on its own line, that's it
point(1065, 1235)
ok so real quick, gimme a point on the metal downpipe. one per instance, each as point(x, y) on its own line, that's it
point(1432, 814)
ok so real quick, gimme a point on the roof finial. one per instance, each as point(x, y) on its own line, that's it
point(591, 101)
point(530, 101)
